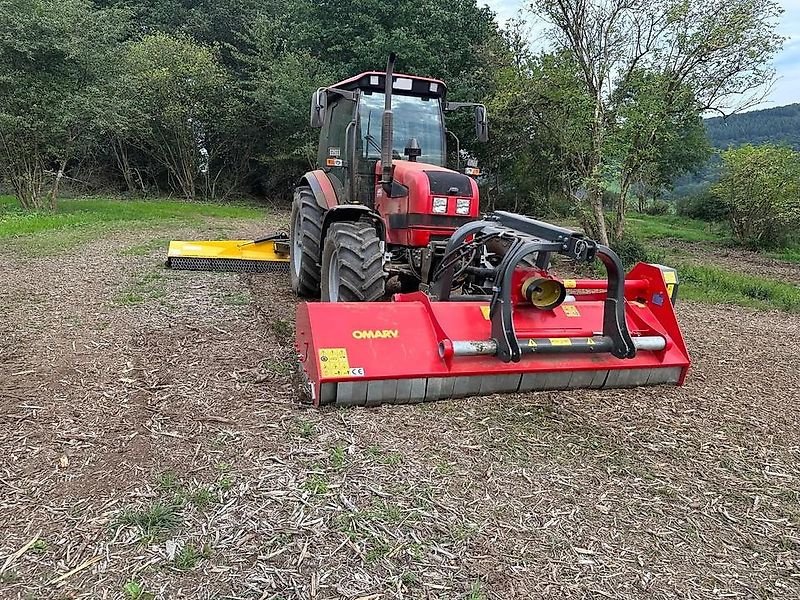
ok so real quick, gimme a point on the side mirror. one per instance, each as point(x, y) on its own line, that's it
point(481, 123)
point(319, 104)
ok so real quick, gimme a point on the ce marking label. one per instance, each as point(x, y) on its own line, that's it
point(357, 372)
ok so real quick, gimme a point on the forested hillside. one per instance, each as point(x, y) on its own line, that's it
point(779, 125)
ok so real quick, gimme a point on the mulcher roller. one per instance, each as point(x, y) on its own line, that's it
point(533, 332)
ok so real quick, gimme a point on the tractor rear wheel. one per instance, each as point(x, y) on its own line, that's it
point(305, 243)
point(352, 264)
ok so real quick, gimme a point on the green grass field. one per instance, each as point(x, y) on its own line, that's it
point(103, 212)
point(717, 285)
point(80, 220)
point(648, 227)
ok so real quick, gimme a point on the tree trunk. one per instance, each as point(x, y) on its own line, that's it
point(53, 196)
point(619, 223)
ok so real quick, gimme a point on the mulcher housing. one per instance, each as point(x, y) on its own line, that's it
point(616, 332)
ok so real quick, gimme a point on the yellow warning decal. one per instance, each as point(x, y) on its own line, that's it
point(670, 289)
point(531, 343)
point(333, 362)
point(561, 341)
point(571, 310)
point(485, 311)
point(590, 341)
point(570, 284)
point(669, 277)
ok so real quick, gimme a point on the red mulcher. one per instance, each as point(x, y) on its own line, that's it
point(527, 333)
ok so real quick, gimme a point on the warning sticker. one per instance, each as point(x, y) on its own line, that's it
point(570, 284)
point(532, 343)
point(670, 289)
point(590, 341)
point(669, 277)
point(334, 162)
point(561, 341)
point(571, 310)
point(333, 362)
point(485, 311)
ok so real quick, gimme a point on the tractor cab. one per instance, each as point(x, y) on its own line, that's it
point(350, 115)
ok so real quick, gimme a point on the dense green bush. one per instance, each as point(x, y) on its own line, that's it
point(704, 206)
point(631, 251)
point(761, 186)
point(657, 208)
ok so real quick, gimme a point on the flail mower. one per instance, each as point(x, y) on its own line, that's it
point(475, 309)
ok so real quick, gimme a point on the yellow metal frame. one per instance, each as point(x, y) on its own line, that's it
point(229, 249)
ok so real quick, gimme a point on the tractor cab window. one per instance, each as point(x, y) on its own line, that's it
point(414, 117)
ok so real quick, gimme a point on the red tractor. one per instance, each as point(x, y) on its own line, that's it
point(376, 210)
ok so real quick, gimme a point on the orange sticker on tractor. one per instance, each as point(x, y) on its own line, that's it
point(570, 284)
point(485, 312)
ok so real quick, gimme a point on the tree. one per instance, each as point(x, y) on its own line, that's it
point(761, 187)
point(182, 102)
point(716, 50)
point(56, 61)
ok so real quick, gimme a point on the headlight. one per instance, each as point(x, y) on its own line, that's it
point(462, 206)
point(440, 205)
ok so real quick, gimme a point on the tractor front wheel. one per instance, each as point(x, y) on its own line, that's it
point(352, 264)
point(305, 243)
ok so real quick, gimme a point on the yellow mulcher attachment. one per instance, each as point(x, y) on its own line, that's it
point(265, 255)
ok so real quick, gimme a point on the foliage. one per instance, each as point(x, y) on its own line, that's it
point(648, 71)
point(56, 60)
point(178, 97)
point(657, 207)
point(631, 250)
point(761, 187)
point(704, 206)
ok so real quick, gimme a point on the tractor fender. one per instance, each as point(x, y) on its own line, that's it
point(324, 188)
point(353, 213)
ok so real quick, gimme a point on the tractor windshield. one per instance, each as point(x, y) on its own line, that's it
point(415, 117)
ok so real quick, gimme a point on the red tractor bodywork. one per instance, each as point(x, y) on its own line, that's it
point(410, 219)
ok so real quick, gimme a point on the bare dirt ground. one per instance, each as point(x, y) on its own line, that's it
point(149, 434)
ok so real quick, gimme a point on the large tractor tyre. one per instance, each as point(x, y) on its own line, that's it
point(305, 242)
point(352, 264)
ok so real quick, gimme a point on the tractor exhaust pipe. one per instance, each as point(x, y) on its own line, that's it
point(387, 129)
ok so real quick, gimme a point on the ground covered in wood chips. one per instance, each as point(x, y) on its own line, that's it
point(151, 447)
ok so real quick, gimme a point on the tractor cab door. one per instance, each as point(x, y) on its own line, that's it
point(336, 149)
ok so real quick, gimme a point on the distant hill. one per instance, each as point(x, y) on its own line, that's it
point(779, 125)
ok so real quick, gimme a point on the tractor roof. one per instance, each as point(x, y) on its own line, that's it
point(402, 84)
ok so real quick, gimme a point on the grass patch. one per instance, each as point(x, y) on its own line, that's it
point(134, 590)
point(787, 254)
point(83, 212)
point(202, 497)
point(647, 227)
point(713, 284)
point(317, 484)
point(189, 557)
point(153, 520)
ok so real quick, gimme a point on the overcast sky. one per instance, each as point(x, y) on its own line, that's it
point(787, 63)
